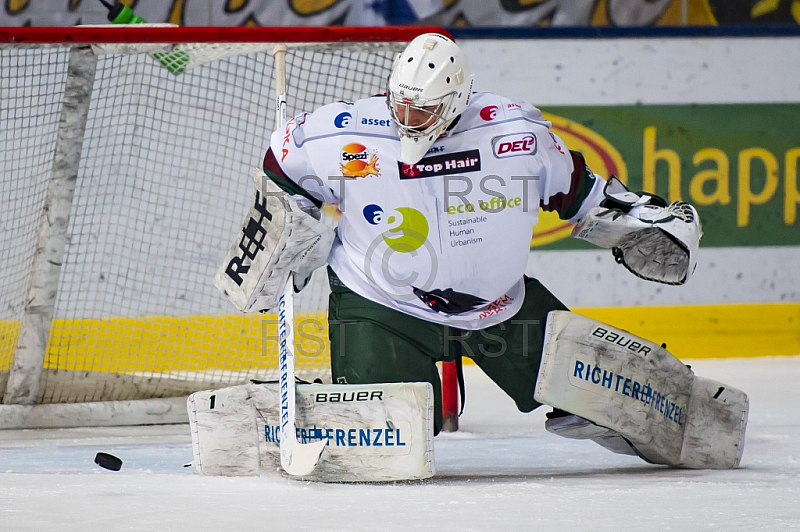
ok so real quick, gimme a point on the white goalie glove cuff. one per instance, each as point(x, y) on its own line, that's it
point(279, 238)
point(654, 241)
point(619, 197)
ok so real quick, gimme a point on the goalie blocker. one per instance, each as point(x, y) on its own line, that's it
point(373, 432)
point(279, 237)
point(648, 399)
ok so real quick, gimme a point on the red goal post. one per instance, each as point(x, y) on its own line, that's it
point(167, 34)
point(124, 177)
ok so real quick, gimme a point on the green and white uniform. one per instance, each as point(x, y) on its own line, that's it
point(430, 258)
point(457, 224)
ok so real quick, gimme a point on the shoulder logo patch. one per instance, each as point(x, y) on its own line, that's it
point(489, 113)
point(514, 145)
point(342, 120)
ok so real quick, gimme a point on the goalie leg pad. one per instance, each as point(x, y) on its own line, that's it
point(638, 389)
point(374, 432)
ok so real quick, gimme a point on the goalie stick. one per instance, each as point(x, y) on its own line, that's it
point(297, 459)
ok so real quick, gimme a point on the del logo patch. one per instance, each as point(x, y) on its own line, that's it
point(452, 163)
point(514, 145)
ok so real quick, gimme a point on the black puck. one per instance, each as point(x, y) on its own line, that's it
point(108, 461)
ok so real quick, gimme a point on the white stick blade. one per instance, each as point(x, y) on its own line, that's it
point(303, 458)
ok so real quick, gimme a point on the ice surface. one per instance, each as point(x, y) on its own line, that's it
point(502, 471)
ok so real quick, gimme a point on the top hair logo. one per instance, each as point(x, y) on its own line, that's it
point(453, 163)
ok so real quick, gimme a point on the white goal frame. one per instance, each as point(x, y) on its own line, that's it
point(21, 406)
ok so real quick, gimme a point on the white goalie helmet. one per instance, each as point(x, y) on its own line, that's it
point(429, 87)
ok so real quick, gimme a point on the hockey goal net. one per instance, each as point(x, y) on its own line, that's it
point(126, 157)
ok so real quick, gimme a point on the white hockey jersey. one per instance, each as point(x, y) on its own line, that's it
point(446, 239)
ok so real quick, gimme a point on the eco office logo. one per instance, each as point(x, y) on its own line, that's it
point(358, 161)
point(406, 229)
point(342, 120)
point(514, 145)
point(453, 163)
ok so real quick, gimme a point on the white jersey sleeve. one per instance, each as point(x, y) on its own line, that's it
point(292, 167)
point(565, 184)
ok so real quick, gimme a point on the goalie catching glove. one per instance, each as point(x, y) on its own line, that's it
point(655, 241)
point(279, 238)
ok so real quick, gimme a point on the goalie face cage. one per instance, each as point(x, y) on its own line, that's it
point(125, 172)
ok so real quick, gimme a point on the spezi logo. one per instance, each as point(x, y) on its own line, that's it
point(514, 145)
point(358, 161)
point(453, 163)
